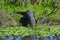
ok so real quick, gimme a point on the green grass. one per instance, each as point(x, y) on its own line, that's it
point(16, 31)
point(42, 30)
point(37, 30)
point(38, 10)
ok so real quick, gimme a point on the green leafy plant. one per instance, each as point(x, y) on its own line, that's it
point(36, 30)
point(39, 7)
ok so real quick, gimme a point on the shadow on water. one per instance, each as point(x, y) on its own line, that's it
point(11, 37)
